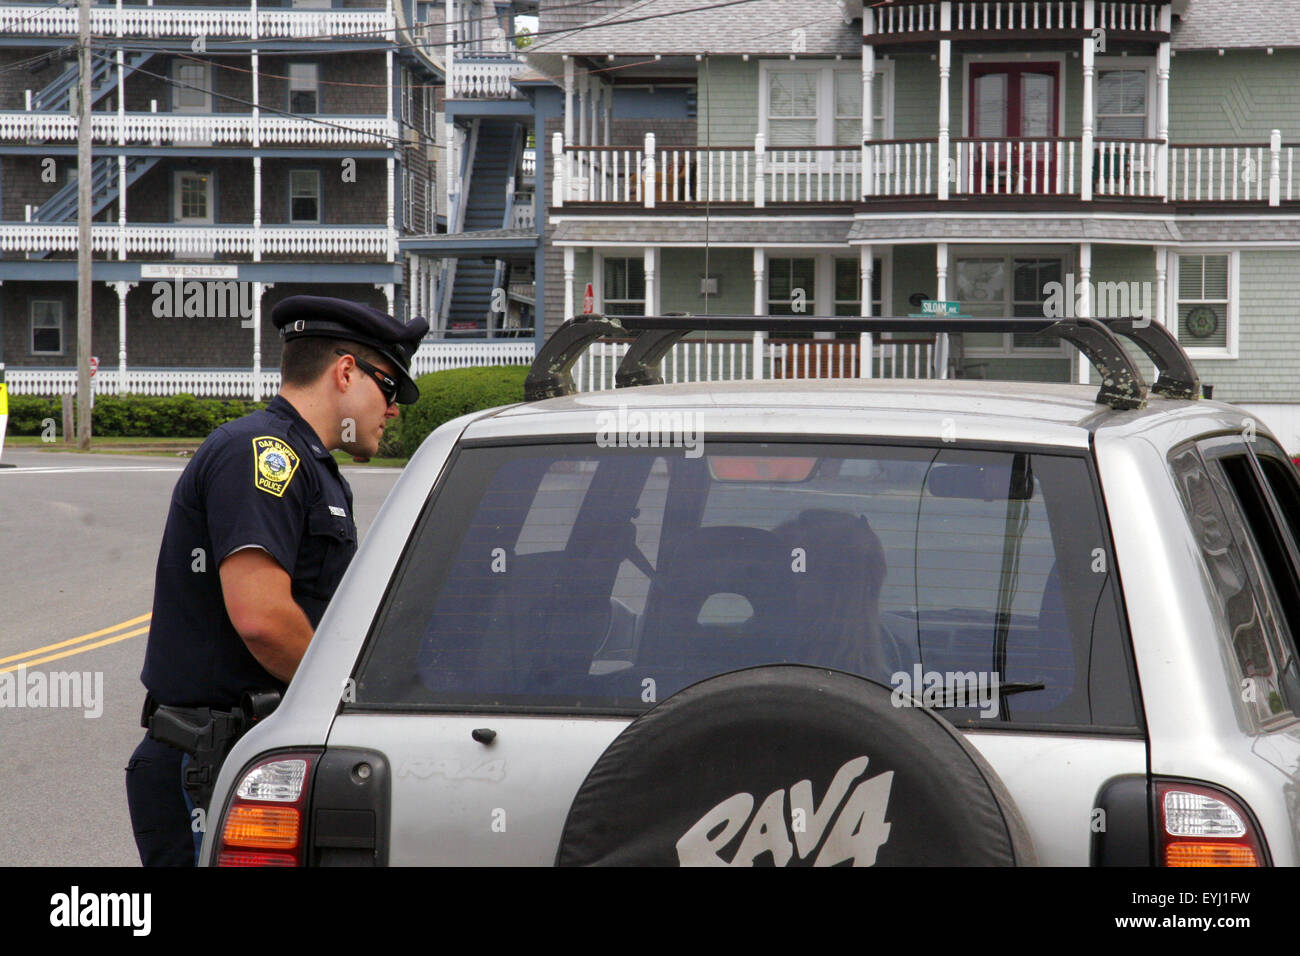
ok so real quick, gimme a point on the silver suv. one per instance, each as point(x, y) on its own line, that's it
point(806, 622)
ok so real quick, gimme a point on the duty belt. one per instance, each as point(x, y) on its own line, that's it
point(205, 734)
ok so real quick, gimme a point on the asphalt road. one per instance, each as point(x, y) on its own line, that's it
point(79, 540)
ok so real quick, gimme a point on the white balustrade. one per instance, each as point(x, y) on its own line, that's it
point(184, 21)
point(529, 164)
point(1016, 167)
point(214, 128)
point(437, 356)
point(902, 168)
point(478, 77)
point(1126, 168)
point(1004, 15)
point(170, 238)
point(522, 214)
point(1220, 173)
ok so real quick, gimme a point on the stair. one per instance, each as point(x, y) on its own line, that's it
point(57, 96)
point(496, 154)
point(62, 206)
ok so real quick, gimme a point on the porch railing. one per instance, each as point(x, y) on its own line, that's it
point(44, 19)
point(216, 128)
point(207, 240)
point(923, 16)
point(647, 175)
point(484, 75)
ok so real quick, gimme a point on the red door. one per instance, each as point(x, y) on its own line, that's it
point(1011, 102)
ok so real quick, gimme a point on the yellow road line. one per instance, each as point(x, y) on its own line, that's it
point(76, 650)
point(77, 640)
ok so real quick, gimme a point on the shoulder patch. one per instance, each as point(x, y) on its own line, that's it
point(274, 465)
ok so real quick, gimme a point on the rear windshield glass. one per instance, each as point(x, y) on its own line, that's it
point(585, 579)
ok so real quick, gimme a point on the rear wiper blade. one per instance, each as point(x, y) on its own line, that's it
point(1004, 690)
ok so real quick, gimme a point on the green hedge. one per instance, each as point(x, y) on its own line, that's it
point(133, 416)
point(450, 394)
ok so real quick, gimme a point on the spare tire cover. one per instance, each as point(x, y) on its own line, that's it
point(791, 765)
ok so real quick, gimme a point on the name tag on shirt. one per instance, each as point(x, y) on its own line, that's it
point(338, 512)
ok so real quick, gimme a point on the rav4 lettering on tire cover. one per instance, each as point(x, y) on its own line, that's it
point(857, 835)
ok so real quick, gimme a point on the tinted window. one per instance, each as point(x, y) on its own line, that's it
point(587, 579)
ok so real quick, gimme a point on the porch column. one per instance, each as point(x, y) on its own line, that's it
point(121, 288)
point(1162, 105)
point(390, 292)
point(414, 290)
point(391, 220)
point(568, 283)
point(609, 113)
point(257, 156)
point(760, 308)
point(941, 293)
point(1086, 159)
point(121, 141)
point(651, 280)
point(866, 342)
point(945, 75)
point(868, 101)
point(1084, 302)
point(568, 100)
point(1162, 278)
point(584, 92)
point(558, 162)
point(258, 289)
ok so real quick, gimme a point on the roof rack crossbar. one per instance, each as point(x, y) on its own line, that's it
point(551, 373)
point(1177, 378)
point(1122, 386)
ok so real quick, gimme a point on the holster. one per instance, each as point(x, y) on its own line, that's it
point(207, 735)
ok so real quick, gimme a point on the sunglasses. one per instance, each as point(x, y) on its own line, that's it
point(387, 384)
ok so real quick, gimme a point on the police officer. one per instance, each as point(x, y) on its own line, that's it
point(258, 536)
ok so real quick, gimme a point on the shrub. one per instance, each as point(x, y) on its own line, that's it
point(450, 394)
point(133, 416)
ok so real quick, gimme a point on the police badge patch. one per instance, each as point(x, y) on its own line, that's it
point(274, 465)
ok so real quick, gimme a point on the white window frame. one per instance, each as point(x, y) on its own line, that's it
point(598, 279)
point(884, 75)
point(31, 326)
point(180, 66)
point(1234, 300)
point(298, 84)
point(1069, 263)
point(822, 300)
point(1146, 64)
point(315, 173)
point(177, 178)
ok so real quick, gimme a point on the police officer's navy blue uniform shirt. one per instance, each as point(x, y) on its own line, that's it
point(263, 481)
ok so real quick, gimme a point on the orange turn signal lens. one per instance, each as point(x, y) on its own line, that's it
point(1209, 854)
point(262, 827)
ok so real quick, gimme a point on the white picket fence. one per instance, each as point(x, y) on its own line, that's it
point(693, 361)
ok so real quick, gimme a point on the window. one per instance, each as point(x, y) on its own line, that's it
point(190, 92)
point(47, 327)
point(943, 559)
point(624, 292)
point(1121, 104)
point(1205, 306)
point(193, 197)
point(303, 88)
point(821, 105)
point(792, 286)
point(304, 195)
point(848, 287)
point(1006, 285)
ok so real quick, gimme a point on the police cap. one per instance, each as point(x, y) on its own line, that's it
point(303, 315)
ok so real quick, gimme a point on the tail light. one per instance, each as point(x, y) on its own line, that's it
point(265, 821)
point(1199, 825)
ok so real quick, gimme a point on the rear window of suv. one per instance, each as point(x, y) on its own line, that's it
point(578, 579)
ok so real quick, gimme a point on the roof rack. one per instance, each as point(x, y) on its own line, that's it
point(1123, 385)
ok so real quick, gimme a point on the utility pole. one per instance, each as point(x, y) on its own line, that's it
point(85, 174)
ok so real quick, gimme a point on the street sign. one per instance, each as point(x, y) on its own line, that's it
point(94, 365)
point(589, 301)
point(939, 307)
